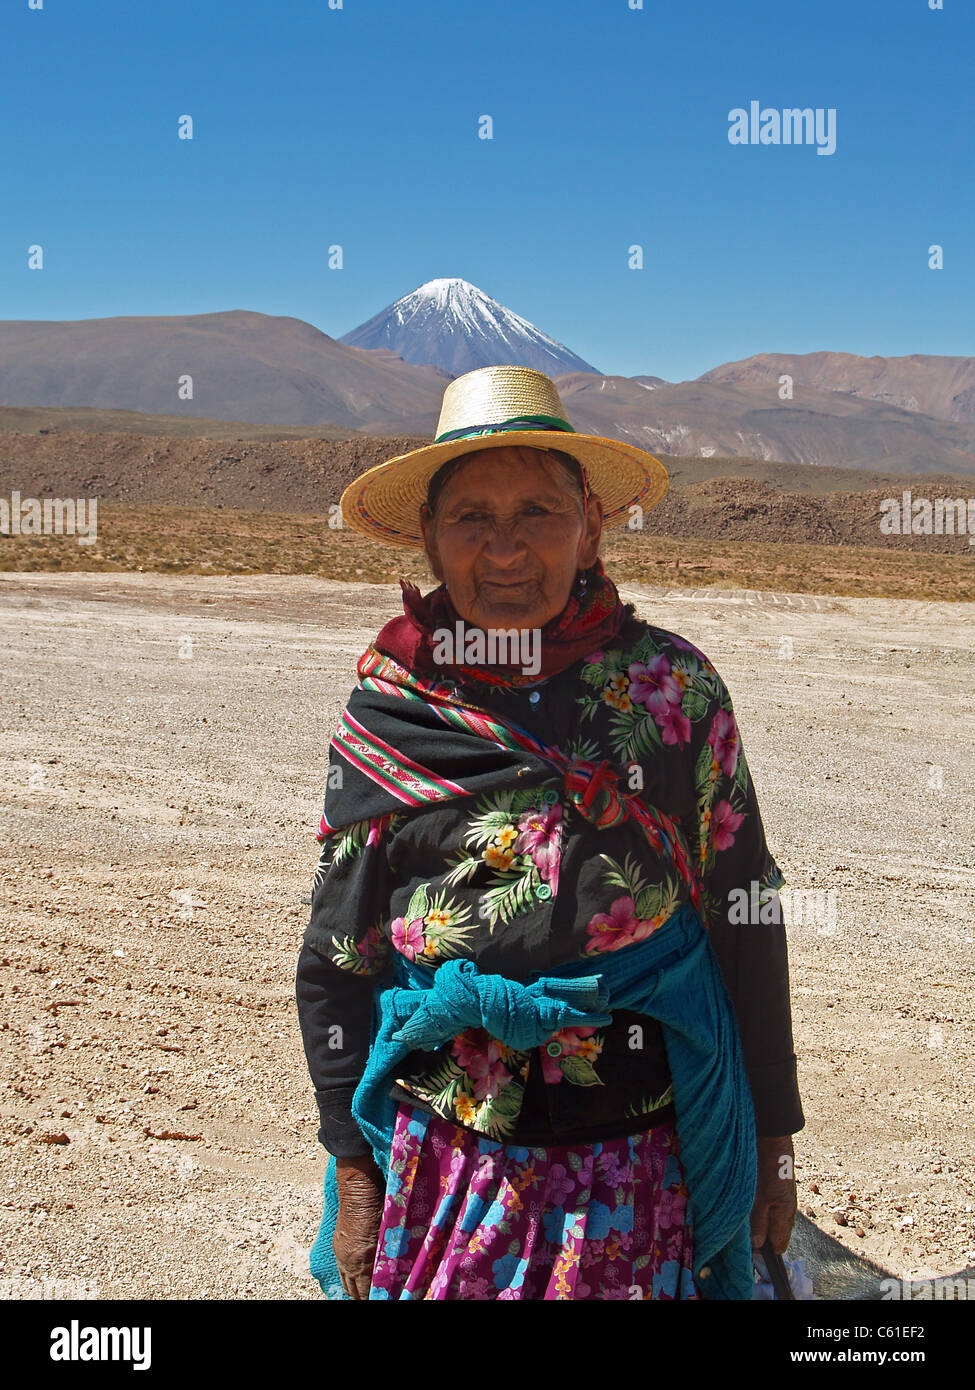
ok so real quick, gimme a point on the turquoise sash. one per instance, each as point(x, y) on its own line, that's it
point(672, 976)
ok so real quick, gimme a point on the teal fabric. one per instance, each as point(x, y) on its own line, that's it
point(321, 1258)
point(514, 422)
point(673, 976)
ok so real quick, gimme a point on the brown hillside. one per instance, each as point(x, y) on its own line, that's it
point(717, 499)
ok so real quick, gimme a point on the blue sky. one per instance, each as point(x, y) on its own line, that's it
point(358, 127)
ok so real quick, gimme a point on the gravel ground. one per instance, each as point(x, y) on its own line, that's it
point(164, 747)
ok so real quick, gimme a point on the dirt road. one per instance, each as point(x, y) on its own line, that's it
point(164, 750)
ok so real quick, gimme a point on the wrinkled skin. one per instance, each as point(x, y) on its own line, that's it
point(361, 1190)
point(510, 554)
point(775, 1205)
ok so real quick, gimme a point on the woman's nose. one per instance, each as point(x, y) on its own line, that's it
point(504, 543)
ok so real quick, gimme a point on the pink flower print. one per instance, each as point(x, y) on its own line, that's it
point(575, 1042)
point(439, 1281)
point(559, 1185)
point(408, 937)
point(483, 1059)
point(616, 1169)
point(619, 927)
point(473, 1289)
point(724, 822)
point(551, 1070)
point(541, 836)
point(653, 679)
point(694, 651)
point(684, 646)
point(585, 1174)
point(370, 946)
point(670, 719)
point(592, 1252)
point(468, 1045)
point(438, 1145)
point(670, 1208)
point(723, 738)
point(594, 658)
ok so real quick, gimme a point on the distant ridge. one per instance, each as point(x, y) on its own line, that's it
point(898, 415)
point(708, 418)
point(453, 325)
point(243, 365)
point(940, 386)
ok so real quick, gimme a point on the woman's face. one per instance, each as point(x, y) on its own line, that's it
point(509, 537)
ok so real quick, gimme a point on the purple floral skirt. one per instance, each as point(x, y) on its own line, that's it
point(467, 1217)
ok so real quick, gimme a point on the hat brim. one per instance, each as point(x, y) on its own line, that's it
point(384, 502)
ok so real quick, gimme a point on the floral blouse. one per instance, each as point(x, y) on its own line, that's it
point(520, 881)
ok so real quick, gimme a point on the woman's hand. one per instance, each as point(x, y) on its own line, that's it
point(361, 1191)
point(775, 1205)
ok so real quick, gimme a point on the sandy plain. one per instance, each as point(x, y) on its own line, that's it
point(164, 743)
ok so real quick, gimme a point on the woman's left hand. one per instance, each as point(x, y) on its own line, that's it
point(775, 1205)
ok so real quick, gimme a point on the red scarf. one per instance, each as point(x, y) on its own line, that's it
point(593, 615)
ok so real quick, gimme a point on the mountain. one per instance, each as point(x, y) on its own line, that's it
point(245, 366)
point(453, 325)
point(706, 418)
point(940, 386)
point(898, 415)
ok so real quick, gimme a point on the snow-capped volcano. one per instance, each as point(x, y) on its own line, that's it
point(453, 325)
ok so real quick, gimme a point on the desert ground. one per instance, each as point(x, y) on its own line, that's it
point(164, 743)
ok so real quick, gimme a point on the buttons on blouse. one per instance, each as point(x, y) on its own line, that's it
point(704, 1272)
point(543, 891)
point(534, 697)
point(554, 1049)
point(550, 797)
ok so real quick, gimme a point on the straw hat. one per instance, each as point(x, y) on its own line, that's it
point(487, 409)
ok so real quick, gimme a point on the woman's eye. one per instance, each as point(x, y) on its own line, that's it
point(534, 509)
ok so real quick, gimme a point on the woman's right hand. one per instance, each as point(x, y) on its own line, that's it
point(361, 1190)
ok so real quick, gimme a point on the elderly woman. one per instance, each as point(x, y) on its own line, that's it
point(544, 988)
